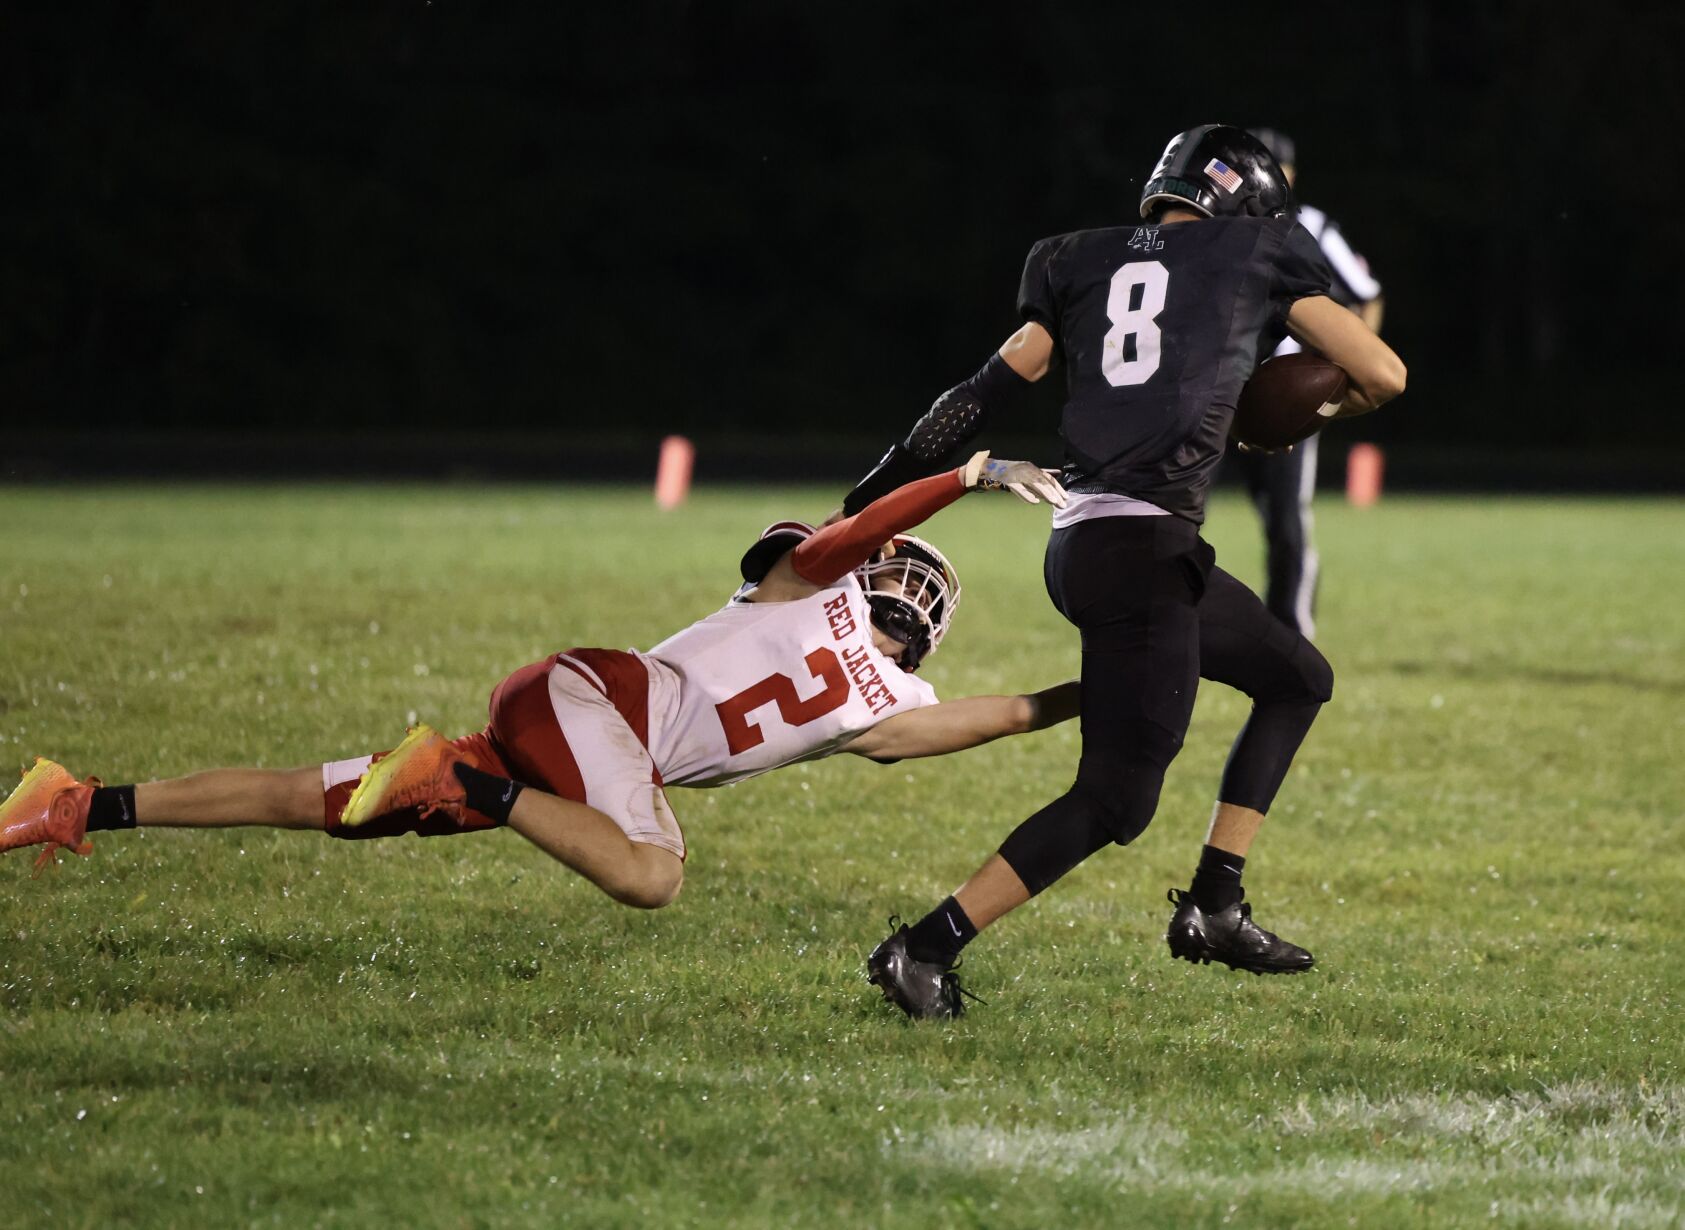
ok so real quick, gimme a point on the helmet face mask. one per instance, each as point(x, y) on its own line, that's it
point(1222, 172)
point(902, 622)
point(912, 595)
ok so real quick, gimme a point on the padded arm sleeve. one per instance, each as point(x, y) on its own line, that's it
point(954, 421)
point(843, 546)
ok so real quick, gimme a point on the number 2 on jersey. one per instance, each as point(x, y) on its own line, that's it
point(1131, 354)
point(741, 734)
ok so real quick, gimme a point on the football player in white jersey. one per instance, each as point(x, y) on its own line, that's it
point(815, 654)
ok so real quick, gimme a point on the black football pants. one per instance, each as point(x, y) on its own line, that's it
point(1281, 485)
point(1156, 615)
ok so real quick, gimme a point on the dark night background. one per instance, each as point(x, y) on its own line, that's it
point(750, 222)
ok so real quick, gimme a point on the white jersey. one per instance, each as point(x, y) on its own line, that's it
point(757, 685)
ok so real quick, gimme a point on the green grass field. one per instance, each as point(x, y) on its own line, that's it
point(1481, 842)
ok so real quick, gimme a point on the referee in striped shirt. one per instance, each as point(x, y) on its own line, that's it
point(1281, 483)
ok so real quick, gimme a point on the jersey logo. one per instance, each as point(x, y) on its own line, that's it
point(741, 734)
point(1145, 239)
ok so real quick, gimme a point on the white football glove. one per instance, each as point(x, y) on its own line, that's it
point(1024, 479)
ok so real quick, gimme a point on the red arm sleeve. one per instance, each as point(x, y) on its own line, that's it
point(840, 548)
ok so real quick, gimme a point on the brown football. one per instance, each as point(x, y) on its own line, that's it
point(1288, 399)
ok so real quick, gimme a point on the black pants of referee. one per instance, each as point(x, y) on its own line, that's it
point(1156, 615)
point(1281, 485)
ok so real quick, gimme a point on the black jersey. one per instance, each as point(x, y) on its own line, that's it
point(1159, 327)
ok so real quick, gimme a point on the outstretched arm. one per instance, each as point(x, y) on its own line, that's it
point(958, 416)
point(842, 546)
point(955, 725)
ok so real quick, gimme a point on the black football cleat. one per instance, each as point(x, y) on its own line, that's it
point(921, 989)
point(1230, 936)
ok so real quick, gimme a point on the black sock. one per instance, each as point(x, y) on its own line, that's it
point(490, 795)
point(940, 934)
point(112, 807)
point(1216, 883)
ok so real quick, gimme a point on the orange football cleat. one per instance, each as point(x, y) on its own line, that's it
point(49, 806)
point(415, 774)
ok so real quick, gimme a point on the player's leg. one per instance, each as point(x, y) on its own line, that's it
point(1132, 586)
point(51, 808)
point(223, 798)
point(1244, 646)
point(588, 841)
point(1284, 487)
point(430, 785)
point(598, 805)
point(627, 851)
point(1287, 678)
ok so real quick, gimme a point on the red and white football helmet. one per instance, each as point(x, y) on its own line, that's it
point(913, 594)
point(912, 590)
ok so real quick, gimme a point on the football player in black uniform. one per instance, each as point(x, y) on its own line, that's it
point(1282, 482)
point(1158, 326)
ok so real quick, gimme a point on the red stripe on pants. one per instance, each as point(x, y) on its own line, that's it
point(524, 730)
point(627, 680)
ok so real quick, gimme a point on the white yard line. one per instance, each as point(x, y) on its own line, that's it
point(1585, 1135)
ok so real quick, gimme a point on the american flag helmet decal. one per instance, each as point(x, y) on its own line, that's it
point(1221, 174)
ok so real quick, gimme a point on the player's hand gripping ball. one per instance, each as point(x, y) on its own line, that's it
point(1288, 399)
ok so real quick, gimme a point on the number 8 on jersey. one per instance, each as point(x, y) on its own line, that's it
point(1132, 343)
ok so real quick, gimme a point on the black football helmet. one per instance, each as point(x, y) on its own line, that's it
point(1222, 171)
